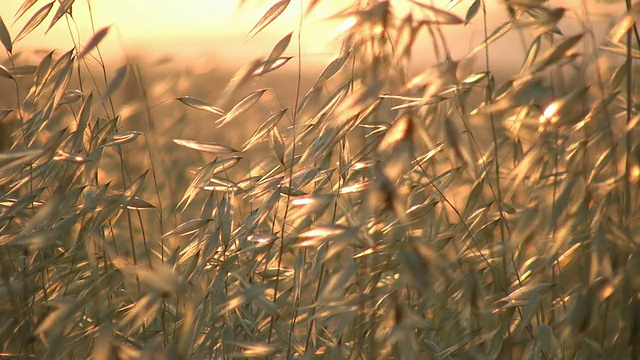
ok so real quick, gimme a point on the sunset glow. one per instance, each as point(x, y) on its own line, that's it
point(188, 28)
point(211, 28)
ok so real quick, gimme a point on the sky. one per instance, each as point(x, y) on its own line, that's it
point(192, 28)
point(179, 28)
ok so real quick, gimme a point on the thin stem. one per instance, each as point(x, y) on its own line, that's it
point(291, 166)
point(629, 133)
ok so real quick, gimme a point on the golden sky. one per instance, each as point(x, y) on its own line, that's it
point(189, 28)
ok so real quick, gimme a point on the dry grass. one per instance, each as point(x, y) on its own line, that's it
point(369, 213)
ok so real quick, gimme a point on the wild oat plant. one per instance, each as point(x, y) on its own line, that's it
point(391, 209)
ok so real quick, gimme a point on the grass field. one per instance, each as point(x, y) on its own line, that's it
point(383, 206)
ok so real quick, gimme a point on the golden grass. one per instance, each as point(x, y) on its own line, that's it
point(374, 212)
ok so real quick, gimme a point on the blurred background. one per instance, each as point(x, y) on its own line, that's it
point(216, 30)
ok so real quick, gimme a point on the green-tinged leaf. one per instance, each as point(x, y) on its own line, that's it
point(207, 147)
point(65, 7)
point(440, 16)
point(95, 40)
point(271, 14)
point(5, 37)
point(199, 104)
point(472, 11)
point(264, 128)
point(244, 105)
point(35, 21)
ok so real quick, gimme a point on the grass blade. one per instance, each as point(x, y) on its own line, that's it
point(5, 37)
point(199, 104)
point(95, 40)
point(264, 128)
point(206, 147)
point(65, 7)
point(271, 14)
point(244, 105)
point(440, 16)
point(35, 21)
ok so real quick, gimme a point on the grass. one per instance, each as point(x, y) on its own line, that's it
point(382, 210)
